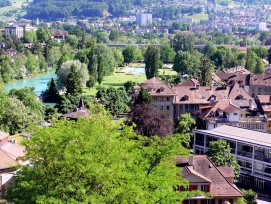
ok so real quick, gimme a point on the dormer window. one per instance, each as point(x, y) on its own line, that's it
point(184, 98)
point(162, 89)
point(239, 97)
point(212, 97)
point(149, 89)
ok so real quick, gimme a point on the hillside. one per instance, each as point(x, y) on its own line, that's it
point(14, 10)
point(59, 9)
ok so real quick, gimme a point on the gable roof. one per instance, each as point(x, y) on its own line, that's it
point(220, 186)
point(3, 135)
point(190, 82)
point(260, 79)
point(155, 87)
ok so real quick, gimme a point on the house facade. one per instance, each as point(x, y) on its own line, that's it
point(252, 150)
point(18, 30)
point(204, 176)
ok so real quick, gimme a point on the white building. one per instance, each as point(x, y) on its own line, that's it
point(18, 30)
point(261, 26)
point(143, 19)
point(252, 150)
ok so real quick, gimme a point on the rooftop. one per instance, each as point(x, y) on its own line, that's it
point(240, 134)
point(203, 168)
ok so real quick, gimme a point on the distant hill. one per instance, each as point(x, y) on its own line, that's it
point(255, 2)
point(59, 9)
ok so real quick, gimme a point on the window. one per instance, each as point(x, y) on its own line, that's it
point(161, 107)
point(235, 113)
point(259, 183)
point(161, 99)
point(167, 107)
point(168, 98)
point(155, 98)
point(203, 188)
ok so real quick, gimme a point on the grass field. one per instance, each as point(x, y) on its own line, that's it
point(198, 17)
point(118, 79)
point(16, 7)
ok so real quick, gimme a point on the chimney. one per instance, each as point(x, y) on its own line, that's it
point(190, 160)
point(197, 86)
point(250, 103)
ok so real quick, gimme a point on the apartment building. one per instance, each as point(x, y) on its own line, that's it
point(162, 96)
point(264, 105)
point(238, 113)
point(18, 30)
point(204, 176)
point(252, 150)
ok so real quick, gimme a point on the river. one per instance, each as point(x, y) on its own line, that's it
point(39, 82)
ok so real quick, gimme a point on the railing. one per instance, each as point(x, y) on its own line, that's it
point(244, 154)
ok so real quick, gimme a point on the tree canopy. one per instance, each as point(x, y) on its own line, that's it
point(75, 162)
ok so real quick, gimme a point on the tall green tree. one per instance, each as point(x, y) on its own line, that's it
point(74, 84)
point(143, 97)
point(152, 57)
point(259, 68)
point(167, 52)
point(206, 70)
point(220, 153)
point(183, 41)
point(77, 162)
point(186, 63)
point(251, 59)
point(43, 34)
point(130, 54)
point(116, 101)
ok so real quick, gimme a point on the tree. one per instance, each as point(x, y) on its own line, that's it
point(251, 59)
point(259, 68)
point(31, 64)
point(28, 97)
point(129, 53)
point(220, 153)
point(143, 97)
point(167, 53)
point(149, 122)
point(65, 69)
point(152, 56)
point(43, 34)
point(206, 70)
point(186, 63)
point(77, 162)
point(129, 86)
point(183, 41)
point(114, 34)
point(30, 36)
point(17, 117)
point(185, 126)
point(249, 196)
point(54, 55)
point(51, 93)
point(68, 103)
point(74, 84)
point(116, 101)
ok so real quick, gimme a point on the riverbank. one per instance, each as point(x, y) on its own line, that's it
point(39, 82)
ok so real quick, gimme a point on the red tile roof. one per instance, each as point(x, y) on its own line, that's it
point(157, 88)
point(190, 82)
point(220, 186)
point(3, 135)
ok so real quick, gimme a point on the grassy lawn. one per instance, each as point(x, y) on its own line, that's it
point(16, 5)
point(198, 17)
point(118, 79)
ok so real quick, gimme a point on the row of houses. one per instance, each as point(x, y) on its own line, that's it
point(232, 103)
point(236, 108)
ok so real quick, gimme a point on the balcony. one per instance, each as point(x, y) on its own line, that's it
point(244, 154)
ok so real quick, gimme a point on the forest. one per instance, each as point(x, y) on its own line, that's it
point(56, 9)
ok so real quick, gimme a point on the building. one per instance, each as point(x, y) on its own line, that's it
point(80, 112)
point(18, 30)
point(252, 150)
point(261, 26)
point(162, 95)
point(264, 105)
point(238, 113)
point(9, 154)
point(143, 19)
point(260, 84)
point(203, 175)
point(190, 98)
